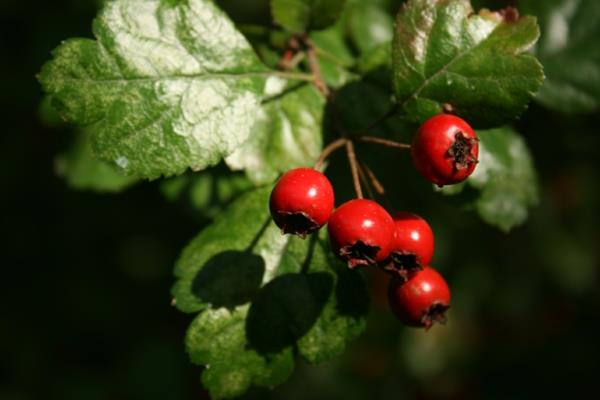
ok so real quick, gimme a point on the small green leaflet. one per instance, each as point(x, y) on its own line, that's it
point(288, 133)
point(83, 171)
point(504, 181)
point(570, 53)
point(170, 85)
point(299, 16)
point(259, 295)
point(474, 63)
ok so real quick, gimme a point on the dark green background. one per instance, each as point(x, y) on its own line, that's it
point(84, 306)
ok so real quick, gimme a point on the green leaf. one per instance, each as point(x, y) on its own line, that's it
point(208, 192)
point(48, 114)
point(287, 134)
point(354, 113)
point(377, 58)
point(83, 171)
point(505, 181)
point(569, 51)
point(299, 16)
point(170, 85)
point(334, 55)
point(260, 295)
point(368, 26)
point(444, 53)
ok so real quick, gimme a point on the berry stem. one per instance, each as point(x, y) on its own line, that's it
point(364, 179)
point(374, 181)
point(383, 142)
point(354, 168)
point(327, 151)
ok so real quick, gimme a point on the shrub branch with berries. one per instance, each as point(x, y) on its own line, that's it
point(363, 233)
point(220, 111)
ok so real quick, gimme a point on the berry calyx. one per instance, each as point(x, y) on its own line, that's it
point(422, 300)
point(301, 201)
point(445, 149)
point(361, 233)
point(413, 245)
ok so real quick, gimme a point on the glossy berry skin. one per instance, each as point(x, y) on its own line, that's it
point(445, 150)
point(422, 300)
point(301, 201)
point(361, 232)
point(413, 245)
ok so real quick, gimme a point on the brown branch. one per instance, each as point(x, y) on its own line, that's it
point(354, 168)
point(384, 142)
point(327, 151)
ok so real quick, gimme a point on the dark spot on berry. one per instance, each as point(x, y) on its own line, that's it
point(298, 223)
point(402, 264)
point(460, 151)
point(435, 314)
point(359, 254)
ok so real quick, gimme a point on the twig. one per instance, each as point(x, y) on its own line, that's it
point(354, 168)
point(384, 142)
point(327, 151)
point(313, 63)
point(291, 64)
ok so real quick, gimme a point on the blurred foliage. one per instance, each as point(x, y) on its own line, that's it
point(569, 52)
point(85, 309)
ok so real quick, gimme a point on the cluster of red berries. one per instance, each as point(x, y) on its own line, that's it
point(362, 233)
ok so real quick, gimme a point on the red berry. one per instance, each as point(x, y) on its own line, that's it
point(301, 201)
point(361, 232)
point(445, 149)
point(422, 300)
point(413, 245)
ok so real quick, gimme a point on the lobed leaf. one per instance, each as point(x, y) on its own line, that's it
point(444, 54)
point(170, 85)
point(259, 295)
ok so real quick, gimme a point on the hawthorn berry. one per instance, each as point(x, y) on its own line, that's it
point(422, 300)
point(445, 149)
point(301, 201)
point(361, 232)
point(413, 245)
